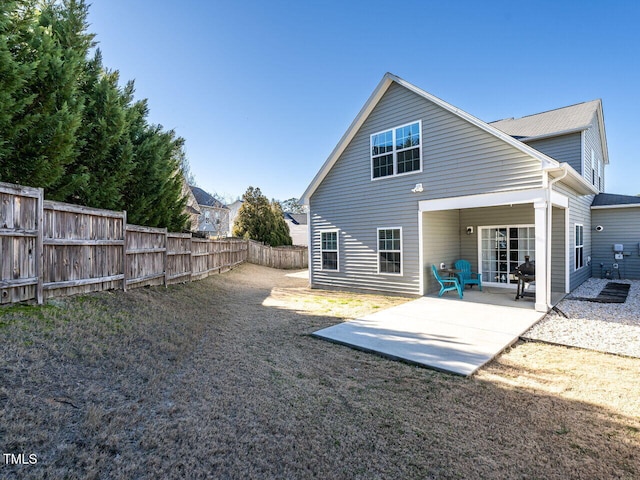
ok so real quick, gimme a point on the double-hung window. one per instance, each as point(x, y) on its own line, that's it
point(397, 151)
point(579, 263)
point(329, 250)
point(390, 251)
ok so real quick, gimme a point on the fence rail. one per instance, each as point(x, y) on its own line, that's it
point(50, 249)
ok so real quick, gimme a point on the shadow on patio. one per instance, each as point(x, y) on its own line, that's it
point(448, 334)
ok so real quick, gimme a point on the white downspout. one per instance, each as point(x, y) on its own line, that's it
point(550, 184)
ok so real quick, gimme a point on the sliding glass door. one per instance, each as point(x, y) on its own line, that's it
point(502, 249)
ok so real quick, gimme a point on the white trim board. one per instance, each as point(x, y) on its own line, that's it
point(493, 199)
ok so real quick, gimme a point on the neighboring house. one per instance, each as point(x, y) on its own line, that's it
point(191, 208)
point(234, 208)
point(214, 215)
point(416, 181)
point(298, 227)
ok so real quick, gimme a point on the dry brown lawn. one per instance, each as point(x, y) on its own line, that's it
point(221, 379)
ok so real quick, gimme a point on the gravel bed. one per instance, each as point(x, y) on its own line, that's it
point(605, 327)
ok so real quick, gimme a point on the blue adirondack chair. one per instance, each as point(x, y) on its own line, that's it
point(466, 276)
point(447, 284)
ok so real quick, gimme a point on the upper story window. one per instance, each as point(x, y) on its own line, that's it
point(597, 168)
point(397, 151)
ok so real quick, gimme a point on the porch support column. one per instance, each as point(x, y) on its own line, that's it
point(542, 302)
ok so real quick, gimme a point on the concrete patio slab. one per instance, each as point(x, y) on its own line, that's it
point(447, 334)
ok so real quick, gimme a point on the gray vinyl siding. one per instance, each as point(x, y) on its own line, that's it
point(441, 243)
point(489, 217)
point(458, 158)
point(579, 213)
point(592, 141)
point(514, 215)
point(565, 148)
point(558, 250)
point(621, 225)
point(358, 251)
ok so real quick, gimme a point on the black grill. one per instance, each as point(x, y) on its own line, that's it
point(525, 273)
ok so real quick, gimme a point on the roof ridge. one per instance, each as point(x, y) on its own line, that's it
point(547, 111)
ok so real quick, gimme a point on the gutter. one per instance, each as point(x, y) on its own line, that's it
point(550, 184)
point(619, 205)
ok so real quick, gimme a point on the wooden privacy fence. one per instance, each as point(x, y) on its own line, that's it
point(278, 257)
point(50, 249)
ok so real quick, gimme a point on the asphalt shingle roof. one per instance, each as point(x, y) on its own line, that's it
point(206, 199)
point(574, 117)
point(610, 199)
point(297, 218)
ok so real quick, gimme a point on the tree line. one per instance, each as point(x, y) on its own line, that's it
point(68, 125)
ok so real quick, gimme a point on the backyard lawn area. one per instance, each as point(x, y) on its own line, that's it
point(221, 379)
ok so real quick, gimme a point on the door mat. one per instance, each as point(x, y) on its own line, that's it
point(612, 292)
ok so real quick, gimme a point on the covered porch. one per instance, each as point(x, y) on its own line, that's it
point(495, 232)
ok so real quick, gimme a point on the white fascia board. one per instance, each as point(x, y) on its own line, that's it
point(607, 207)
point(537, 195)
point(485, 200)
point(559, 200)
point(603, 134)
point(573, 179)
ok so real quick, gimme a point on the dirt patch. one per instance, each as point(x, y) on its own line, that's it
point(221, 379)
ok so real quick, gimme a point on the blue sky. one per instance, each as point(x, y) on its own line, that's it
point(263, 90)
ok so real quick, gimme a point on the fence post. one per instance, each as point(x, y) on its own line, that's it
point(189, 243)
point(166, 258)
point(125, 257)
point(40, 246)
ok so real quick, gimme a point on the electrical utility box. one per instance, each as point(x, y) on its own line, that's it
point(618, 247)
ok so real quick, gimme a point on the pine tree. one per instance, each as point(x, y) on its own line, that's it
point(260, 220)
point(280, 234)
point(153, 196)
point(105, 154)
point(67, 126)
point(14, 75)
point(51, 45)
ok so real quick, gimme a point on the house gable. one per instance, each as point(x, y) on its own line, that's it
point(568, 134)
point(379, 94)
